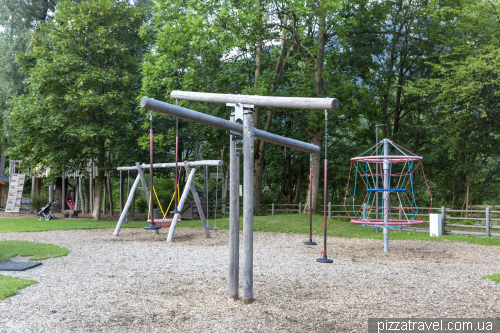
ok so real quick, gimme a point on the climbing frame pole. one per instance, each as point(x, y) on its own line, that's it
point(248, 176)
point(234, 219)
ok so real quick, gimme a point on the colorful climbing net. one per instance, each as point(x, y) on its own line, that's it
point(383, 189)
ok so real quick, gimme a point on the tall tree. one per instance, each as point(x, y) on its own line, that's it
point(83, 77)
point(18, 20)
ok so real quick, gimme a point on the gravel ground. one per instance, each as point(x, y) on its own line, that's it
point(139, 283)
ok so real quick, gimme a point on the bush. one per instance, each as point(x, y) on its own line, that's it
point(141, 205)
point(37, 202)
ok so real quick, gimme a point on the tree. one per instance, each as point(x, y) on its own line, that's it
point(83, 78)
point(464, 86)
point(18, 20)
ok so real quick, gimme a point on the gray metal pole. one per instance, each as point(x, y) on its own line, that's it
point(234, 223)
point(248, 170)
point(123, 215)
point(488, 222)
point(269, 101)
point(202, 118)
point(386, 196)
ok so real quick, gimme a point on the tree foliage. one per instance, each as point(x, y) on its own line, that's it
point(83, 79)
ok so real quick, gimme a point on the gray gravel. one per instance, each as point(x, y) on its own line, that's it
point(139, 283)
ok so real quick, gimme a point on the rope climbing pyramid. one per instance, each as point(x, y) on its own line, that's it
point(403, 184)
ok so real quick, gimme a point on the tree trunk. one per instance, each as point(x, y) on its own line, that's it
point(287, 178)
point(315, 164)
point(298, 184)
point(204, 202)
point(96, 214)
point(399, 91)
point(2, 159)
point(260, 146)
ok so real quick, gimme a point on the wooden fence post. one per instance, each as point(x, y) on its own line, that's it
point(272, 209)
point(329, 210)
point(488, 220)
point(300, 208)
point(443, 219)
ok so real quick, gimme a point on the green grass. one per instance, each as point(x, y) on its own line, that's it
point(294, 223)
point(493, 277)
point(32, 224)
point(299, 223)
point(39, 251)
point(9, 286)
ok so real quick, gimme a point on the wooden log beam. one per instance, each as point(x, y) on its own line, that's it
point(214, 163)
point(266, 101)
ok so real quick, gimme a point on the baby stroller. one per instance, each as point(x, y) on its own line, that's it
point(44, 213)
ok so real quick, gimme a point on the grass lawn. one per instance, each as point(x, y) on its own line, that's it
point(295, 223)
point(493, 277)
point(32, 224)
point(39, 251)
point(299, 223)
point(9, 285)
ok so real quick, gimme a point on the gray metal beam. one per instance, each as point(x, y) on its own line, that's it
point(268, 101)
point(202, 118)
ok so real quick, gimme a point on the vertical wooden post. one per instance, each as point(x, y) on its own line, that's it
point(488, 222)
point(33, 180)
point(443, 219)
point(122, 192)
point(329, 210)
point(63, 192)
point(51, 198)
point(104, 195)
point(110, 196)
point(272, 209)
point(300, 207)
point(91, 181)
point(80, 191)
point(87, 195)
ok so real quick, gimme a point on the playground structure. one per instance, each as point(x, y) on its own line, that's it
point(398, 175)
point(189, 187)
point(242, 133)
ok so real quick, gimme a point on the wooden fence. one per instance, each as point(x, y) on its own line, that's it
point(473, 222)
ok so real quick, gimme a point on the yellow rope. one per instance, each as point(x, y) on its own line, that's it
point(168, 209)
point(159, 204)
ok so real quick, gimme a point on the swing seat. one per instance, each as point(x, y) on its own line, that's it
point(164, 223)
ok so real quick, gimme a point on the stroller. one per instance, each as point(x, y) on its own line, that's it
point(44, 213)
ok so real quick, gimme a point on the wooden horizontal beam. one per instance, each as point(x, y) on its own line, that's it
point(214, 163)
point(266, 101)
